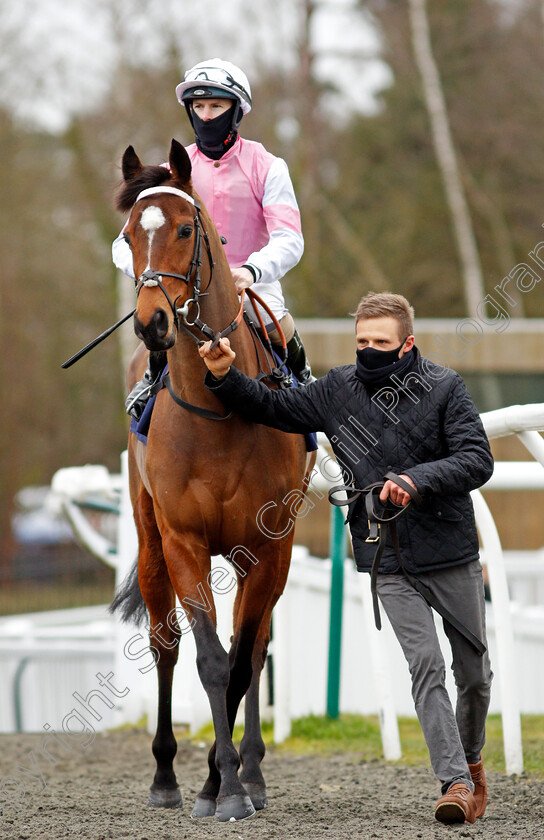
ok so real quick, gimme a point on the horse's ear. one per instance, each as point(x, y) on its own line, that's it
point(180, 163)
point(131, 164)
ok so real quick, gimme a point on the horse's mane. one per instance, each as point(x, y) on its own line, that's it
point(149, 176)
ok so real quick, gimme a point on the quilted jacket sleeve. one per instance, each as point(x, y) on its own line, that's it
point(468, 462)
point(297, 410)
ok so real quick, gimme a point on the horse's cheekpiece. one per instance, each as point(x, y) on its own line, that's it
point(378, 528)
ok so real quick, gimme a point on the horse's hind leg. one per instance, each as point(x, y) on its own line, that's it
point(164, 792)
point(164, 638)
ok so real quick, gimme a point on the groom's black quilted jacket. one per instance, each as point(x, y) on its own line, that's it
point(427, 427)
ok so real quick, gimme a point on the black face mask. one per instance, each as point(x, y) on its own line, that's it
point(375, 367)
point(215, 135)
point(372, 359)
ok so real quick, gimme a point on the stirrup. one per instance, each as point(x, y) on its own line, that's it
point(142, 392)
point(138, 398)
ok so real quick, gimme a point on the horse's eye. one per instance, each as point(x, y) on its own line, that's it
point(184, 231)
point(126, 237)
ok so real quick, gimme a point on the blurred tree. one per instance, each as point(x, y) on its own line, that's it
point(446, 156)
point(389, 183)
point(58, 287)
point(53, 288)
point(372, 200)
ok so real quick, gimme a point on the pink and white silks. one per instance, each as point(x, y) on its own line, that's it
point(250, 197)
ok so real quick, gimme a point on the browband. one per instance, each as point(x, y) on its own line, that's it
point(173, 190)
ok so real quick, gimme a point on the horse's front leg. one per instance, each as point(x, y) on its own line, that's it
point(231, 801)
point(205, 804)
point(257, 593)
point(188, 570)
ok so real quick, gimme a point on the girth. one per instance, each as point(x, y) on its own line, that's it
point(378, 528)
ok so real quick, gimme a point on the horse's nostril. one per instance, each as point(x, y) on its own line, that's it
point(138, 327)
point(160, 322)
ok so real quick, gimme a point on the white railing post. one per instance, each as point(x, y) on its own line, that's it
point(532, 441)
point(506, 661)
point(282, 669)
point(525, 421)
point(131, 707)
point(389, 727)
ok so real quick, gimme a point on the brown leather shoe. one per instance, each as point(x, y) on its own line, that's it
point(456, 806)
point(480, 787)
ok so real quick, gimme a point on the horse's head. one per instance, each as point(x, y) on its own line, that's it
point(164, 234)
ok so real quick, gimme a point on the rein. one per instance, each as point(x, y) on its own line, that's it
point(378, 528)
point(153, 277)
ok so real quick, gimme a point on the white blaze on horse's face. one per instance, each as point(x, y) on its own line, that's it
point(151, 220)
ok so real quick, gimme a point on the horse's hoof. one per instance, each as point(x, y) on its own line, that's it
point(203, 808)
point(234, 808)
point(165, 798)
point(257, 793)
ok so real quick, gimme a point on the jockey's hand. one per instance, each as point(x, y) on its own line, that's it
point(243, 278)
point(218, 360)
point(395, 493)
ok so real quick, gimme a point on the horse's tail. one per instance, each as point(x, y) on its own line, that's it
point(128, 600)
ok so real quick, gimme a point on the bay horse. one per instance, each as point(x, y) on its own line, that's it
point(199, 484)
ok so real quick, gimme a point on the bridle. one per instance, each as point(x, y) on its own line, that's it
point(152, 277)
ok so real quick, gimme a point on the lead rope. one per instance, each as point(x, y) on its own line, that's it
point(378, 527)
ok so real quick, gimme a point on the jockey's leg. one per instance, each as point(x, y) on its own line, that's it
point(147, 386)
point(296, 355)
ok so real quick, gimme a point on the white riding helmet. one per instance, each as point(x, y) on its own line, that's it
point(211, 79)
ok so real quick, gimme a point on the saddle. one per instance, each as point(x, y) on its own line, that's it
point(379, 526)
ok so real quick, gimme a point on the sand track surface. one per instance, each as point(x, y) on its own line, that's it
point(98, 792)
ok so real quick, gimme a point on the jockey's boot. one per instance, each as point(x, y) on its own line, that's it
point(297, 361)
point(147, 386)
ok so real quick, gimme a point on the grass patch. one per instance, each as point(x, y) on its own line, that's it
point(360, 735)
point(24, 597)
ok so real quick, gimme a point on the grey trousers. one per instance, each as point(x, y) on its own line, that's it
point(454, 740)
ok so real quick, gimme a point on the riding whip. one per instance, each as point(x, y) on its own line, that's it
point(96, 341)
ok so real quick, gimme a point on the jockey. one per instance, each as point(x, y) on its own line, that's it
point(250, 197)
